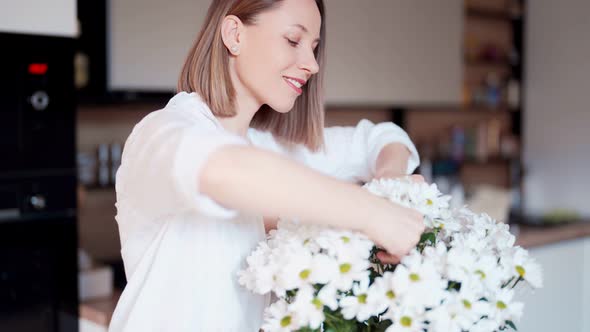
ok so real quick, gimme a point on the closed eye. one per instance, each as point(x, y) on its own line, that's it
point(292, 42)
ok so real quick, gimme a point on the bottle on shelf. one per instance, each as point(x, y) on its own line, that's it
point(115, 152)
point(492, 83)
point(104, 175)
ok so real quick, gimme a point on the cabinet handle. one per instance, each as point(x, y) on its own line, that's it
point(9, 214)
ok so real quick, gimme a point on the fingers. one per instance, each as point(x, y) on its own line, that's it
point(417, 178)
point(387, 258)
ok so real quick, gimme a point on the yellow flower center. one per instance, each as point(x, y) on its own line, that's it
point(345, 239)
point(414, 277)
point(482, 275)
point(304, 274)
point(362, 298)
point(501, 305)
point(344, 268)
point(521, 271)
point(390, 294)
point(318, 304)
point(429, 202)
point(406, 321)
point(286, 321)
point(467, 304)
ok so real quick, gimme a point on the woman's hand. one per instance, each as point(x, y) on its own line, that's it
point(383, 256)
point(397, 229)
point(270, 223)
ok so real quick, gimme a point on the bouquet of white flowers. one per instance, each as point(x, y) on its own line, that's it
point(460, 277)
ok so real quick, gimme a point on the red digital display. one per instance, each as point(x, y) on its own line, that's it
point(37, 68)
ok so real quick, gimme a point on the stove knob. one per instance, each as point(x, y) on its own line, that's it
point(39, 100)
point(38, 202)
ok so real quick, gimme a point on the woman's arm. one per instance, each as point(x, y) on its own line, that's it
point(392, 161)
point(351, 153)
point(264, 183)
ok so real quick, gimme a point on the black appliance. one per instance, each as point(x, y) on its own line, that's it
point(38, 222)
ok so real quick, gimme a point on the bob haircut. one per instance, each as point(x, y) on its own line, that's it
point(206, 72)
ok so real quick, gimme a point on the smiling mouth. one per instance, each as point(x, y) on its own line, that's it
point(294, 85)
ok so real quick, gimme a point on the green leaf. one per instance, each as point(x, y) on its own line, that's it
point(511, 324)
point(454, 285)
point(428, 237)
point(383, 325)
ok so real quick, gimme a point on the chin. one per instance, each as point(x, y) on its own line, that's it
point(282, 107)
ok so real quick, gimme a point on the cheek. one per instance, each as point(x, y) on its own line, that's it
point(261, 69)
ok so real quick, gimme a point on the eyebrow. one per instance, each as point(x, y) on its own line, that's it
point(302, 27)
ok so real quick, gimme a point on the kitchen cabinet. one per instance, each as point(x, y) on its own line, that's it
point(564, 301)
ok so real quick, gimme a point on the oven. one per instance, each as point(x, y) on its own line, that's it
point(38, 220)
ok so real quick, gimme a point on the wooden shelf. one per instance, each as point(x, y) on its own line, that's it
point(502, 108)
point(490, 161)
point(499, 161)
point(491, 15)
point(484, 62)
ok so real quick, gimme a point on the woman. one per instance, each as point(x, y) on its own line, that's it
point(244, 139)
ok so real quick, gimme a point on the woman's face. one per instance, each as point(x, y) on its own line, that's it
point(277, 53)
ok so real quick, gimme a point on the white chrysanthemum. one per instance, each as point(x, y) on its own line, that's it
point(357, 306)
point(469, 240)
point(485, 325)
point(503, 308)
point(501, 237)
point(392, 189)
point(258, 276)
point(293, 231)
point(460, 309)
point(487, 270)
point(308, 307)
point(437, 255)
point(418, 283)
point(278, 318)
point(520, 264)
point(350, 269)
point(381, 295)
point(405, 320)
point(329, 297)
point(471, 252)
point(447, 225)
point(344, 243)
point(460, 261)
point(421, 196)
point(300, 267)
point(296, 266)
point(428, 199)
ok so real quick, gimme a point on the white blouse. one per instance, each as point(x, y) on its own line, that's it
point(181, 250)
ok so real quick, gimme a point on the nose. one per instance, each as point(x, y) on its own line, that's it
point(309, 63)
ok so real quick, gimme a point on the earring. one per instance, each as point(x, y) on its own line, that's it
point(235, 49)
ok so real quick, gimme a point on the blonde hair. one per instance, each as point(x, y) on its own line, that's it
point(206, 72)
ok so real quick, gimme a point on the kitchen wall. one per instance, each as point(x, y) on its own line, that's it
point(55, 17)
point(381, 52)
point(557, 106)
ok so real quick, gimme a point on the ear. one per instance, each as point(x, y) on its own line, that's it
point(231, 28)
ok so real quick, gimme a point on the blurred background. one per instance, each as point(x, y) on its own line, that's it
point(494, 94)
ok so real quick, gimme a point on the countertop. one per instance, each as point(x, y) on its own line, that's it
point(100, 311)
point(529, 236)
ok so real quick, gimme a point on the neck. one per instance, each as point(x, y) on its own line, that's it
point(246, 106)
point(239, 123)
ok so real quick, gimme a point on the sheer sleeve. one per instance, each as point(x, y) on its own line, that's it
point(351, 152)
point(162, 161)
